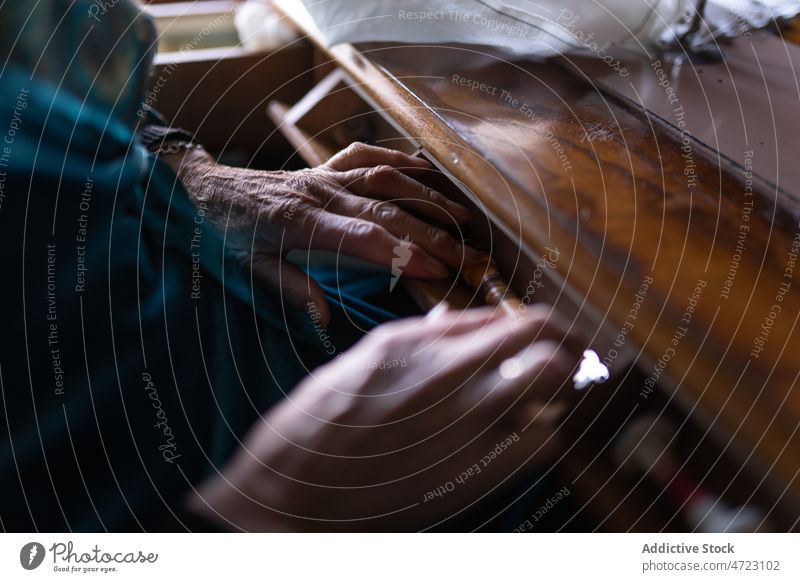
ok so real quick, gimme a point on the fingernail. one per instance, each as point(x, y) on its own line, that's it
point(436, 268)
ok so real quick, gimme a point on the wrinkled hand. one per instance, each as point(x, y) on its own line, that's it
point(354, 204)
point(418, 421)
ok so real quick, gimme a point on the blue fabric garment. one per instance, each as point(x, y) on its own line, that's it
point(135, 353)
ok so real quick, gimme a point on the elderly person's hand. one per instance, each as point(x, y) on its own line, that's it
point(354, 204)
point(417, 422)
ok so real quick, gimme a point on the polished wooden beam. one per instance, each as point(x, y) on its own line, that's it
point(556, 163)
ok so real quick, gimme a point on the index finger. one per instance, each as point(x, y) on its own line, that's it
point(361, 155)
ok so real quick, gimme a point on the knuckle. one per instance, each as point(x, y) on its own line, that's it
point(356, 147)
point(432, 195)
point(354, 150)
point(438, 237)
point(322, 179)
point(383, 212)
point(379, 175)
point(360, 229)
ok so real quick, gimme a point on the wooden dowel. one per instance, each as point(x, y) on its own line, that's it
point(493, 289)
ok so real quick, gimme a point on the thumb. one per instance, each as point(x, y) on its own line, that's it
point(272, 271)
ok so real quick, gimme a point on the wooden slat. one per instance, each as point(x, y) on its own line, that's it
point(313, 97)
point(313, 152)
point(221, 94)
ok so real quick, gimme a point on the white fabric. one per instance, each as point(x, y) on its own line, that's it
point(728, 18)
point(531, 27)
point(540, 28)
point(260, 27)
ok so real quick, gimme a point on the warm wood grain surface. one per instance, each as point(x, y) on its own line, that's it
point(623, 203)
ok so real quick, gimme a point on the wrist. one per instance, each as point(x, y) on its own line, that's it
point(179, 150)
point(191, 166)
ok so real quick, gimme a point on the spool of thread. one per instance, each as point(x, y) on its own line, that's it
point(643, 445)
